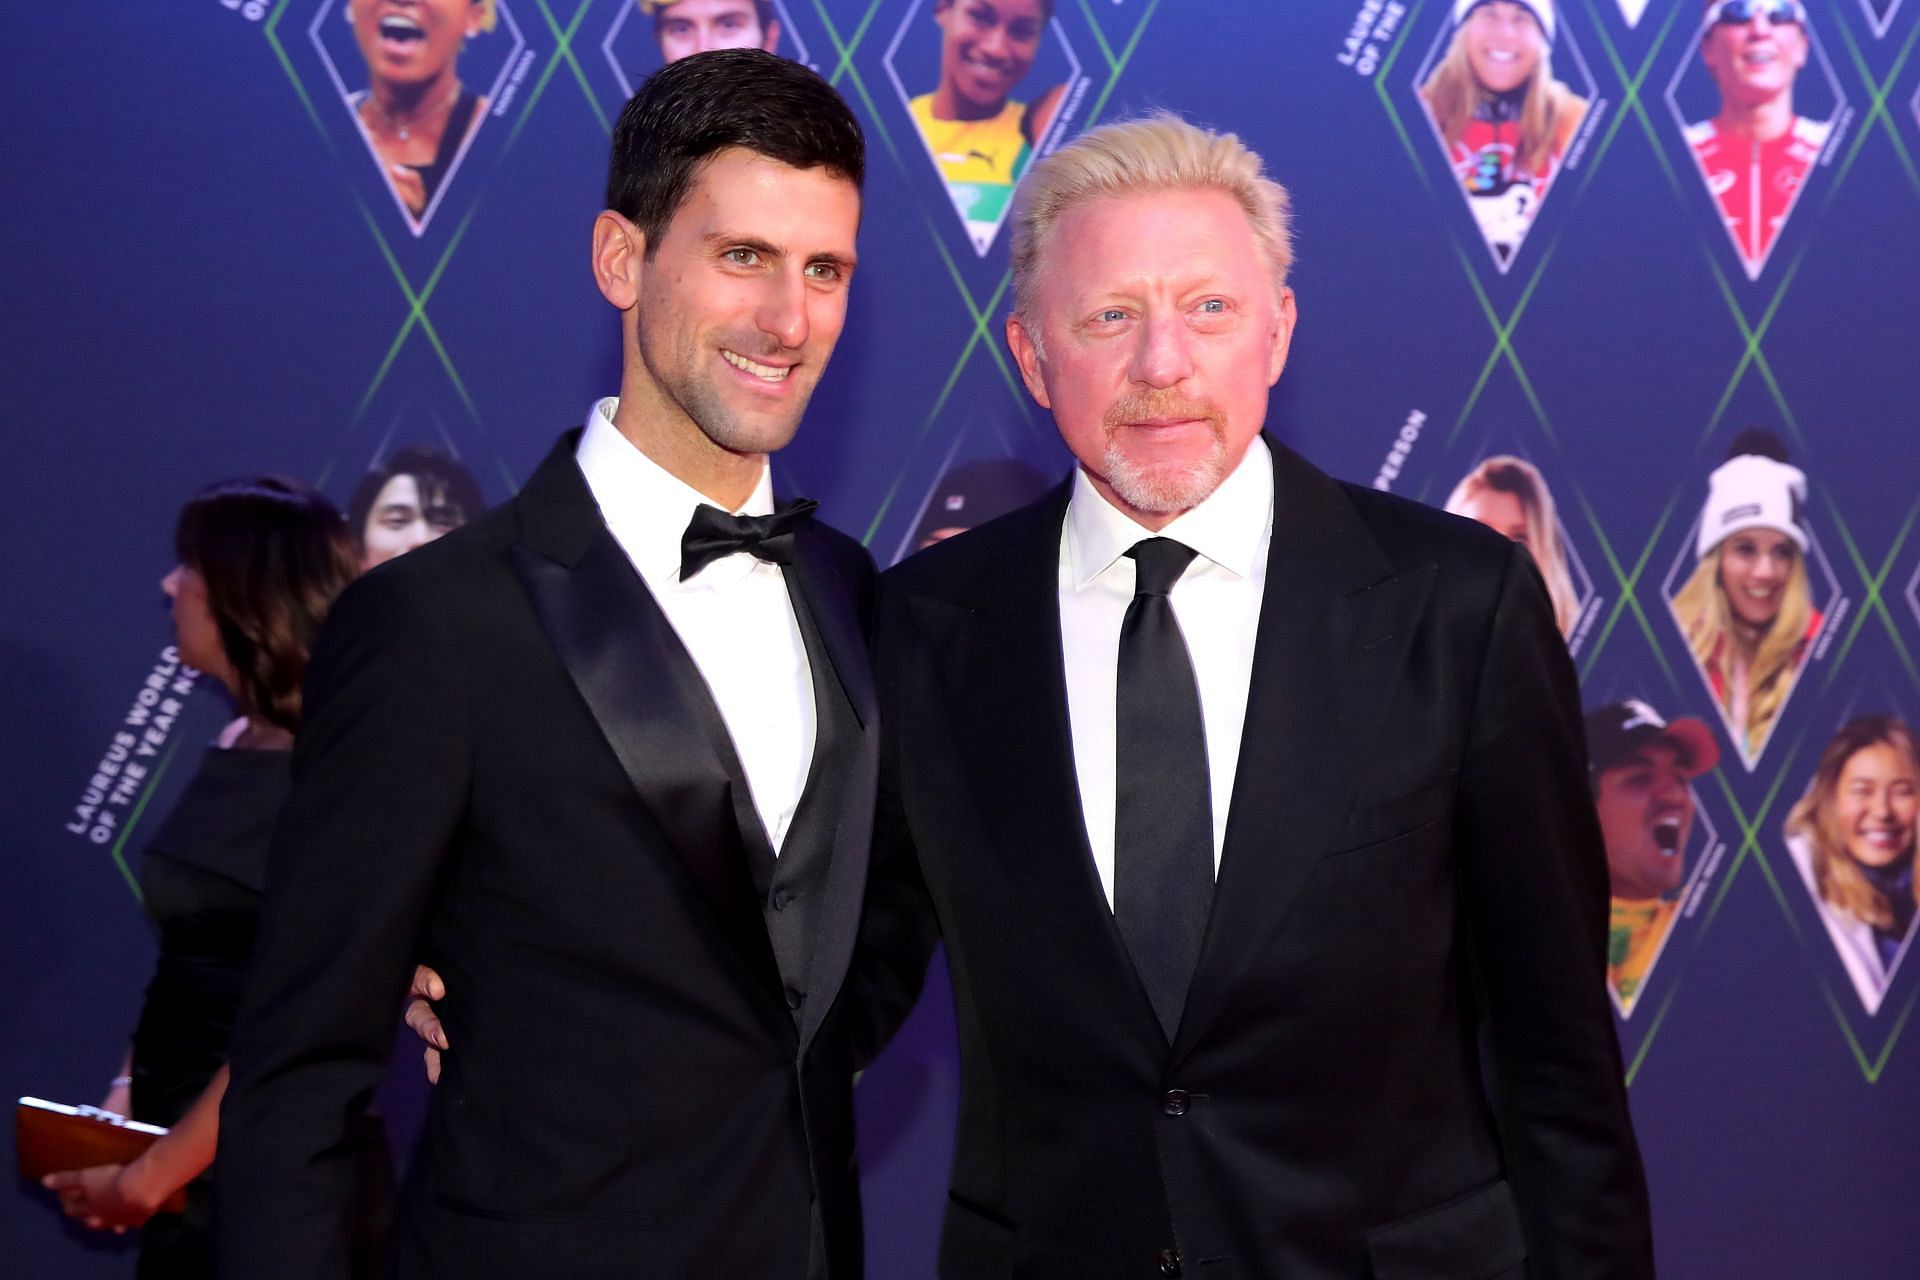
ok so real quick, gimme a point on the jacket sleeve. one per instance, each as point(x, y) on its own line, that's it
point(1534, 883)
point(381, 773)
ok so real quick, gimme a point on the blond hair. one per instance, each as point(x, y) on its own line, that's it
point(1504, 473)
point(1835, 874)
point(1549, 111)
point(1158, 152)
point(1707, 621)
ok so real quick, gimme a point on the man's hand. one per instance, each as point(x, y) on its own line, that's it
point(101, 1197)
point(423, 1021)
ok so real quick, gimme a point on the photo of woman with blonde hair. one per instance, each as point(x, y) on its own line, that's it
point(1509, 495)
point(1503, 117)
point(1852, 837)
point(1747, 608)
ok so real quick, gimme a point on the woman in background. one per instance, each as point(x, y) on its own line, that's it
point(1852, 837)
point(1509, 495)
point(1504, 118)
point(414, 110)
point(260, 563)
point(1747, 609)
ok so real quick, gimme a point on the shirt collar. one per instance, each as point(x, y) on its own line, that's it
point(1230, 527)
point(646, 506)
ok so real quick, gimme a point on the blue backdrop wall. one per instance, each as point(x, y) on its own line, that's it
point(206, 273)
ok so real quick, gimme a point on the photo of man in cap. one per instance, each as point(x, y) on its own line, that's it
point(1642, 767)
point(972, 494)
point(1755, 153)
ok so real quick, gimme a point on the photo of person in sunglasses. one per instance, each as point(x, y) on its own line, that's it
point(1755, 153)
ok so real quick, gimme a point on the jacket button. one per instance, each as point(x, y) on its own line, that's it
point(1175, 1104)
point(795, 998)
point(1169, 1262)
point(781, 899)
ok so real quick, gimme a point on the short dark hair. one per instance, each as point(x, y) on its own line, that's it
point(762, 11)
point(444, 482)
point(274, 554)
point(690, 110)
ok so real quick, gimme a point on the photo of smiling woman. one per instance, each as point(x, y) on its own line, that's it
point(415, 113)
point(1852, 837)
point(1747, 608)
point(981, 137)
point(1510, 496)
point(1503, 117)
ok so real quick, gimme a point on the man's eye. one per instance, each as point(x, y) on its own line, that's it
point(1213, 306)
point(743, 257)
point(823, 271)
point(1112, 315)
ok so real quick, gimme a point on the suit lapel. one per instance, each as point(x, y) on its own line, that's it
point(843, 692)
point(1336, 622)
point(999, 652)
point(644, 692)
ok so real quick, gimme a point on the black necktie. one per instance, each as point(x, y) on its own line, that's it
point(713, 533)
point(1163, 811)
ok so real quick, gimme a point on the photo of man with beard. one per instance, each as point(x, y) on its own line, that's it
point(1642, 767)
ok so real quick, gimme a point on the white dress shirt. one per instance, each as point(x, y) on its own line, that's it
point(1217, 602)
point(734, 616)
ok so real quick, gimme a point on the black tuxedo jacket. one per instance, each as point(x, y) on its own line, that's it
point(512, 770)
point(1412, 873)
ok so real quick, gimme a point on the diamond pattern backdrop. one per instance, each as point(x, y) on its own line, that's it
point(220, 261)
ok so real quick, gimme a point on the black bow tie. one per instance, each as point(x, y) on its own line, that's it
point(713, 533)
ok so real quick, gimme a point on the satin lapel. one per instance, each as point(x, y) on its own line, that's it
point(645, 694)
point(999, 656)
point(834, 613)
point(1336, 623)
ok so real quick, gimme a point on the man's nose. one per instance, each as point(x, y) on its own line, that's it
point(783, 310)
point(993, 43)
point(1164, 357)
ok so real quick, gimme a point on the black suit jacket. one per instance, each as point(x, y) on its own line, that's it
point(510, 769)
point(1411, 868)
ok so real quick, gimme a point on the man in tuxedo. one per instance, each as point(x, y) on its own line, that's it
point(1251, 806)
point(604, 758)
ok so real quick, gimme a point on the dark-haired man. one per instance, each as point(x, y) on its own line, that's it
point(604, 758)
point(1642, 767)
point(683, 28)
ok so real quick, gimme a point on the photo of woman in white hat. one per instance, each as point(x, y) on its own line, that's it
point(1747, 608)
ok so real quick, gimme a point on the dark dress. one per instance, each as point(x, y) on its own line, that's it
point(202, 876)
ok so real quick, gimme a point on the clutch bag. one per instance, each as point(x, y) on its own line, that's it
point(49, 1137)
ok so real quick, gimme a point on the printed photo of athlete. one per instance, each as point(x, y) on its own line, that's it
point(982, 137)
point(416, 495)
point(1510, 496)
point(1503, 117)
point(1747, 608)
point(973, 493)
point(1642, 767)
point(1851, 837)
point(1755, 152)
point(415, 113)
point(685, 27)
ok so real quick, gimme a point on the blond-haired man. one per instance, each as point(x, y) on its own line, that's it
point(1246, 801)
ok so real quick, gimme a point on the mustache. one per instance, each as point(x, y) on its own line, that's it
point(1137, 406)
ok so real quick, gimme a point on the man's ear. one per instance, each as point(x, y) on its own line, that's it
point(1026, 354)
point(771, 40)
point(619, 249)
point(1281, 341)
